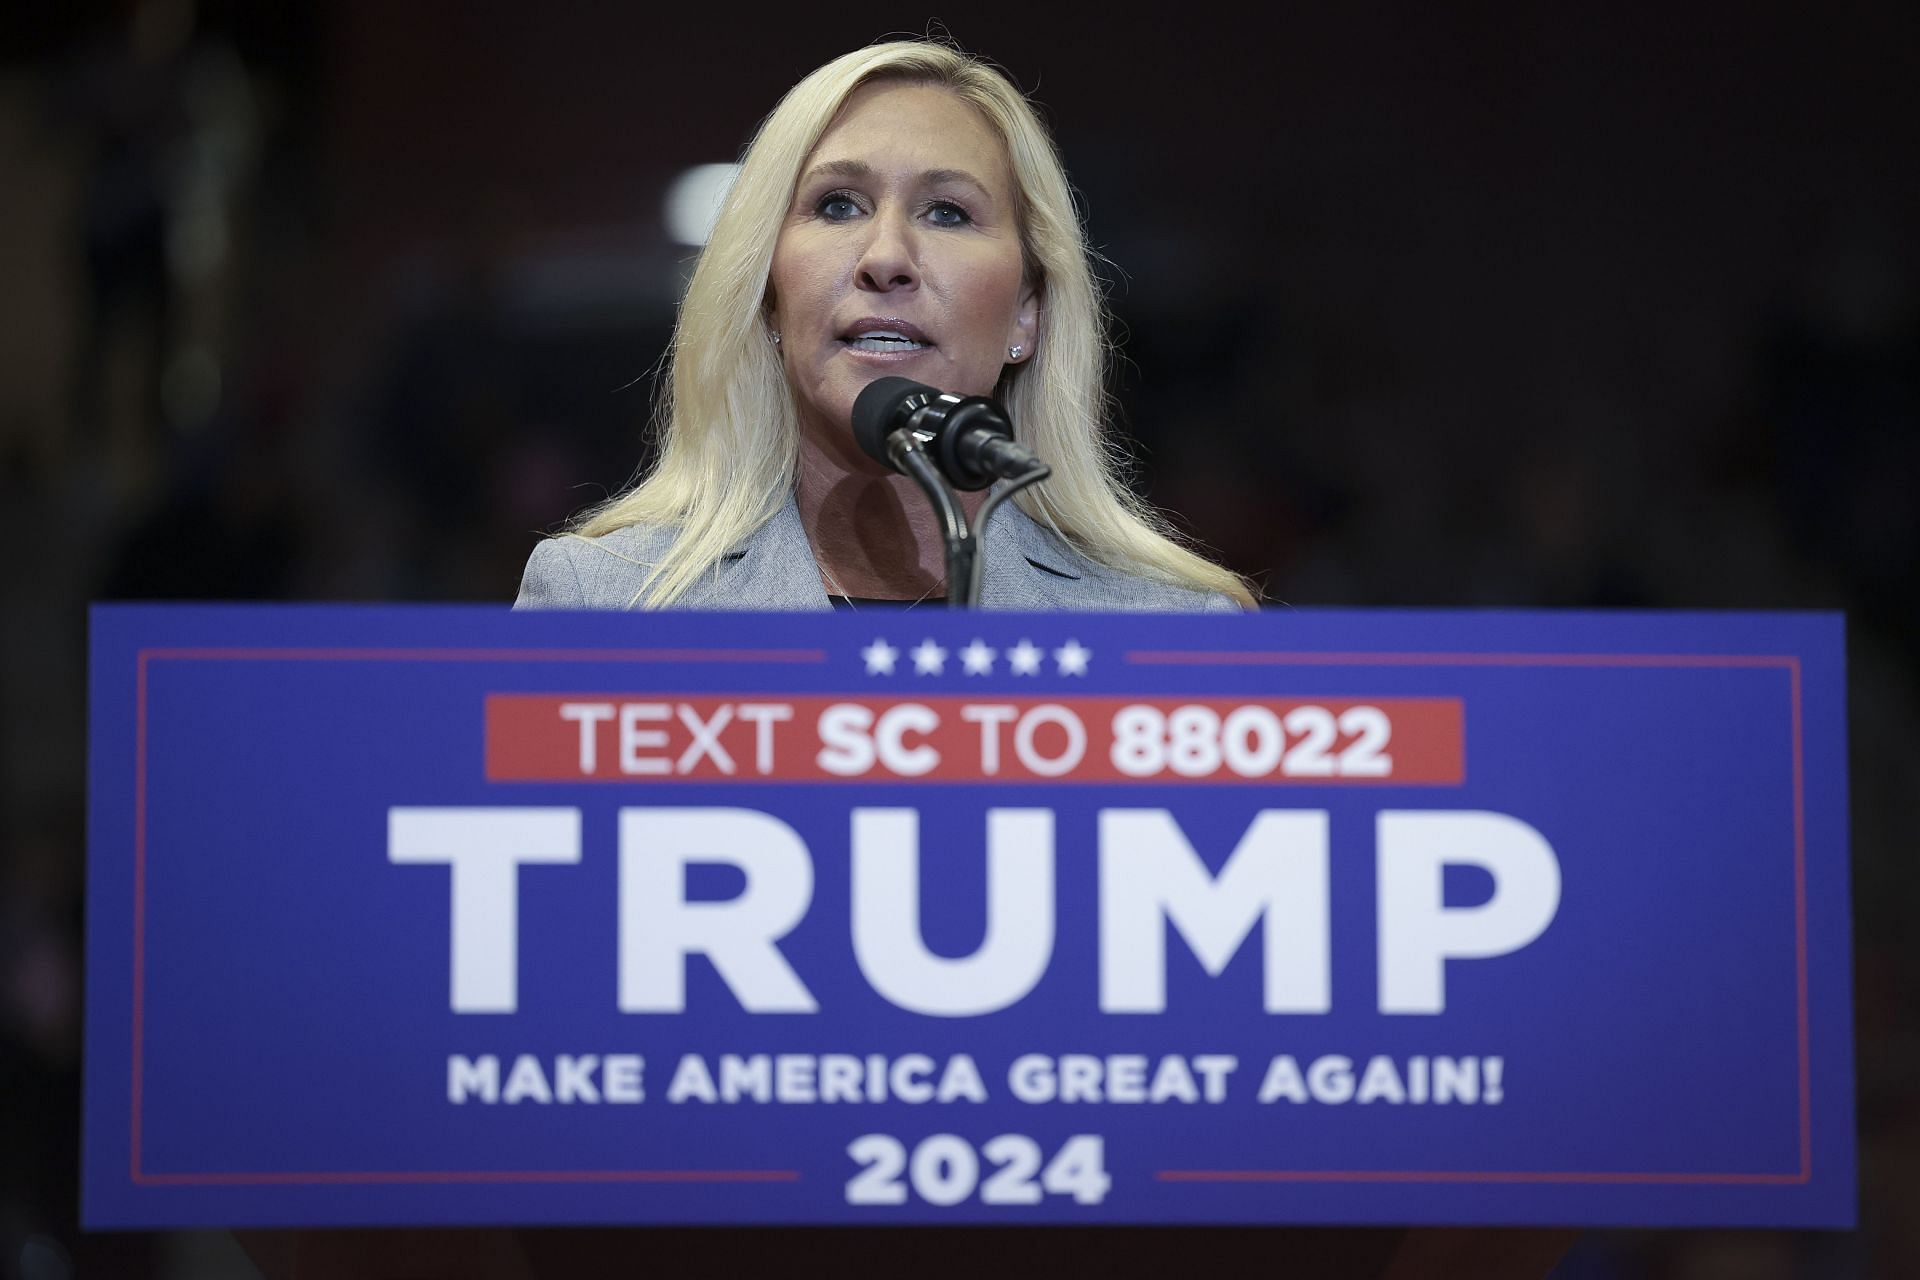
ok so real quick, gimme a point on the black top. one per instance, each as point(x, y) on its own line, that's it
point(861, 602)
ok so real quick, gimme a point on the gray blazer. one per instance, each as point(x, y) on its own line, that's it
point(1027, 567)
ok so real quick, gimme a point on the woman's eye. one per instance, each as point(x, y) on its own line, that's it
point(838, 206)
point(945, 213)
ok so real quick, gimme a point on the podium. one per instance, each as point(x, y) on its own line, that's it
point(453, 917)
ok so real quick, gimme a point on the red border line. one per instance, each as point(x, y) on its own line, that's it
point(1788, 662)
point(1396, 1175)
point(489, 655)
point(139, 907)
point(466, 1175)
point(1261, 658)
point(1800, 934)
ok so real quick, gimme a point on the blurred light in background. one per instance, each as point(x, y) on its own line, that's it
point(693, 201)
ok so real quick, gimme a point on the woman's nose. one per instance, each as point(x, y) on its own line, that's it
point(888, 260)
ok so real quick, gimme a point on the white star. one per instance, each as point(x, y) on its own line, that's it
point(977, 658)
point(1024, 658)
point(929, 659)
point(879, 656)
point(1072, 657)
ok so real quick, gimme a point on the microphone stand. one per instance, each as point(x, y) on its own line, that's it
point(907, 450)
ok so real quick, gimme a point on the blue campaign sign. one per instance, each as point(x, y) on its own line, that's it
point(442, 916)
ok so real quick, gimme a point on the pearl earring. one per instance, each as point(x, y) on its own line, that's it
point(1013, 353)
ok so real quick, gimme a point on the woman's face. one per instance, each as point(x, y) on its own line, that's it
point(899, 256)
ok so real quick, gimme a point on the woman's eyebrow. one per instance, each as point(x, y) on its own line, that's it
point(934, 177)
point(840, 169)
point(861, 169)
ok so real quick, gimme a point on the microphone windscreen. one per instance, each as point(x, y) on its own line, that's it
point(876, 413)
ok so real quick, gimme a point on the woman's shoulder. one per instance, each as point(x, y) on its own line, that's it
point(609, 571)
point(1126, 591)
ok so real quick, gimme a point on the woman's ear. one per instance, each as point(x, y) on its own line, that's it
point(1025, 330)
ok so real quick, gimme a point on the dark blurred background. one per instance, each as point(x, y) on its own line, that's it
point(1429, 305)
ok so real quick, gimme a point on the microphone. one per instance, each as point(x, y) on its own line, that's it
point(968, 437)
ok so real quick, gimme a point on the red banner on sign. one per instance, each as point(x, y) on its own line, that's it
point(629, 737)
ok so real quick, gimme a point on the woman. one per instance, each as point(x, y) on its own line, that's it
point(902, 211)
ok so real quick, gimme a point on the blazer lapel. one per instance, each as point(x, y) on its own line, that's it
point(1026, 566)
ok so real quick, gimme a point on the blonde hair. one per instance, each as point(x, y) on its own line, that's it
point(729, 429)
